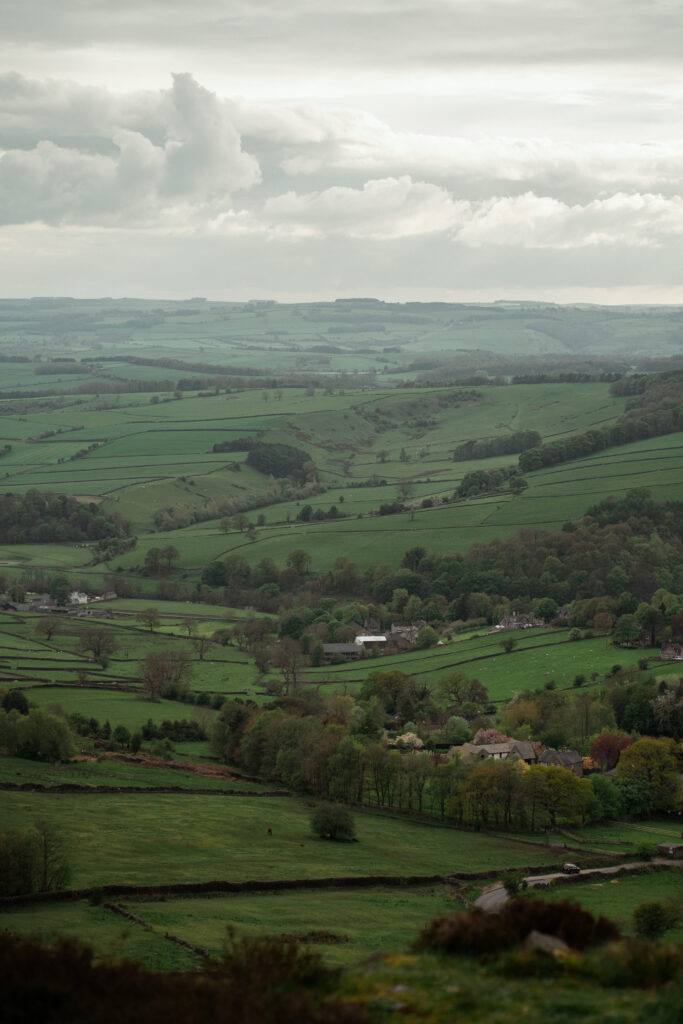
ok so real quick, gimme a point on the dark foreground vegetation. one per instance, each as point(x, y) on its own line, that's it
point(477, 965)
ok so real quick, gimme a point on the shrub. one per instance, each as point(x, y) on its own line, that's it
point(482, 933)
point(333, 821)
point(645, 850)
point(650, 920)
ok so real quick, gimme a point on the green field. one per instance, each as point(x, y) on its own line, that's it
point(152, 839)
point(542, 656)
point(115, 772)
point(617, 898)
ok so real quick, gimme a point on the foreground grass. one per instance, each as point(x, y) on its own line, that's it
point(363, 921)
point(108, 934)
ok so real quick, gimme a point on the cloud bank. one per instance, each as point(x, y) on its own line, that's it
point(275, 186)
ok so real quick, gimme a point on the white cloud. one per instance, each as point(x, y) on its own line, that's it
point(389, 208)
point(541, 222)
point(121, 161)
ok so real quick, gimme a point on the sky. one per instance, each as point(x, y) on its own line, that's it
point(454, 150)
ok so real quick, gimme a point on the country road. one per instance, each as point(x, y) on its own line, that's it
point(495, 896)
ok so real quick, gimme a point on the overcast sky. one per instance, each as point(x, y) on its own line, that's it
point(307, 149)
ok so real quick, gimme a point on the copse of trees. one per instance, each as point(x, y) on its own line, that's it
point(37, 736)
point(281, 460)
point(504, 444)
point(42, 518)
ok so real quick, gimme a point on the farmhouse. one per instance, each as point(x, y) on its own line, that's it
point(348, 652)
point(671, 652)
point(520, 620)
point(511, 750)
point(569, 759)
point(371, 642)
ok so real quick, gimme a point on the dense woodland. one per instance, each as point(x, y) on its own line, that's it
point(38, 518)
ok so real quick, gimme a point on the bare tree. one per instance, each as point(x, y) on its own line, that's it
point(48, 626)
point(165, 671)
point(149, 617)
point(99, 642)
point(290, 659)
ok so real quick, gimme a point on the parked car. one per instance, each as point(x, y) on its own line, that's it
point(571, 869)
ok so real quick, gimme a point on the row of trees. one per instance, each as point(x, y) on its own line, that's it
point(334, 759)
point(504, 444)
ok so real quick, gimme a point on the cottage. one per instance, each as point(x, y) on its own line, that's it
point(520, 620)
point(346, 652)
point(569, 759)
point(671, 652)
point(509, 751)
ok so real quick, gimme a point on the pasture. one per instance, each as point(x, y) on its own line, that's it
point(542, 656)
point(149, 839)
point(617, 898)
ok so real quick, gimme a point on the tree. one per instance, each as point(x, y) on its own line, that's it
point(38, 736)
point(99, 642)
point(48, 626)
point(289, 658)
point(53, 871)
point(653, 761)
point(201, 644)
point(149, 617)
point(546, 609)
point(427, 637)
point(60, 589)
point(165, 671)
point(651, 920)
point(607, 746)
point(18, 863)
point(333, 821)
point(626, 631)
point(299, 560)
point(214, 575)
point(508, 643)
point(602, 622)
point(15, 700)
point(153, 561)
point(169, 555)
point(464, 696)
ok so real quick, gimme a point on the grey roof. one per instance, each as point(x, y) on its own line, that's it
point(560, 757)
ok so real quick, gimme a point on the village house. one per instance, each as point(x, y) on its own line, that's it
point(569, 759)
point(345, 652)
point(511, 750)
point(520, 620)
point(371, 642)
